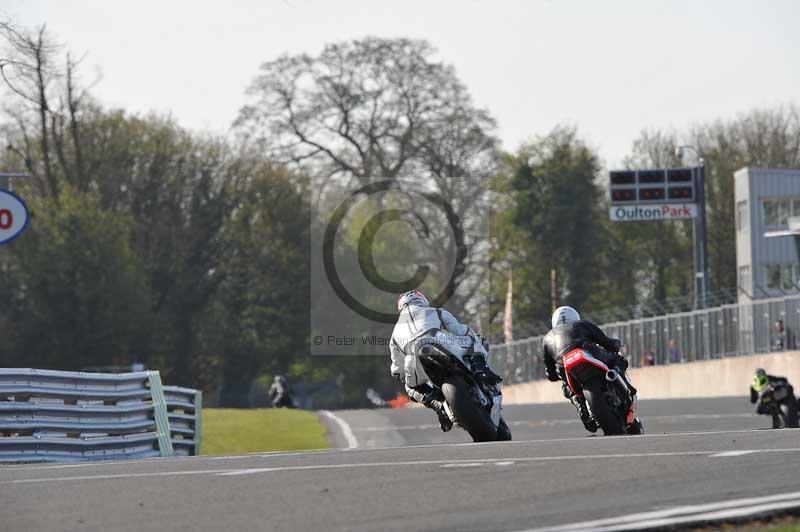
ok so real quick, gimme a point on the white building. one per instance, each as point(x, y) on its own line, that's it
point(767, 236)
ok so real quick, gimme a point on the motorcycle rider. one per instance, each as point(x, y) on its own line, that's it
point(280, 394)
point(419, 324)
point(762, 379)
point(569, 332)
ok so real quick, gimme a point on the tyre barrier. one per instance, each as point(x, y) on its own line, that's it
point(64, 416)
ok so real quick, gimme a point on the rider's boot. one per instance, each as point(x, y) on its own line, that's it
point(445, 423)
point(481, 369)
point(621, 368)
point(583, 411)
point(776, 421)
point(438, 406)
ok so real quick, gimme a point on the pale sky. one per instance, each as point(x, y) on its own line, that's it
point(612, 68)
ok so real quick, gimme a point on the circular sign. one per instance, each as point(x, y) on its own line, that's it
point(13, 216)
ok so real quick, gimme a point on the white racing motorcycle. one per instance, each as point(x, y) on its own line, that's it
point(470, 403)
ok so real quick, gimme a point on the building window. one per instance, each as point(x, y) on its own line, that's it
point(743, 217)
point(795, 207)
point(776, 212)
point(786, 277)
point(782, 277)
point(773, 276)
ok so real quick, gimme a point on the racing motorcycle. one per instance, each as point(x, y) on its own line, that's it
point(609, 398)
point(470, 403)
point(777, 400)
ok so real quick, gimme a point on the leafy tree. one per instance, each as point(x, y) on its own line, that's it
point(764, 138)
point(767, 137)
point(556, 208)
point(261, 307)
point(78, 291)
point(379, 109)
point(661, 252)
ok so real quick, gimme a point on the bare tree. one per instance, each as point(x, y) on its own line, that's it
point(27, 70)
point(45, 132)
point(380, 108)
point(375, 107)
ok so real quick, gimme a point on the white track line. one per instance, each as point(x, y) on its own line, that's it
point(728, 454)
point(727, 509)
point(344, 426)
point(362, 465)
point(588, 438)
point(592, 440)
point(561, 421)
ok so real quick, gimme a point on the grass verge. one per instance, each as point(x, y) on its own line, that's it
point(238, 431)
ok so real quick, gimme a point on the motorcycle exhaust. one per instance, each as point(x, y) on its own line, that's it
point(613, 376)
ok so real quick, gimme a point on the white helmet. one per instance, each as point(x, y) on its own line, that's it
point(564, 315)
point(414, 297)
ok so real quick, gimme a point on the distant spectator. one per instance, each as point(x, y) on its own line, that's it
point(648, 359)
point(778, 336)
point(782, 337)
point(673, 353)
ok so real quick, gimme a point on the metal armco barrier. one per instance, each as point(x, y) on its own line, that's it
point(52, 416)
point(711, 333)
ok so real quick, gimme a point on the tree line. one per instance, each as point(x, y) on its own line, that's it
point(190, 253)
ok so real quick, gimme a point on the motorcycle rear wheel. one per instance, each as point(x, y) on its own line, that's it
point(607, 418)
point(470, 416)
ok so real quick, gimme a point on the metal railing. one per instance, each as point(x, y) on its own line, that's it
point(50, 415)
point(641, 310)
point(724, 331)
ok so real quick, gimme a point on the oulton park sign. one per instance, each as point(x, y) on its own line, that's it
point(641, 213)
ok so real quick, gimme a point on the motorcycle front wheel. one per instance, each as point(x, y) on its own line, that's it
point(503, 432)
point(469, 415)
point(789, 414)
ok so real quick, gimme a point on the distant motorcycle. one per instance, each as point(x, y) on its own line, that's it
point(470, 403)
point(279, 393)
point(778, 401)
point(608, 397)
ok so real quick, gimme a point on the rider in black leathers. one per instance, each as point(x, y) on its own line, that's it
point(569, 332)
point(760, 380)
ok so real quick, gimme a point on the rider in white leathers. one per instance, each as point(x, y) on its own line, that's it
point(419, 324)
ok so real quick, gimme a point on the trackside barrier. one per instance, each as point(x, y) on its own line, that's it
point(724, 377)
point(707, 334)
point(54, 416)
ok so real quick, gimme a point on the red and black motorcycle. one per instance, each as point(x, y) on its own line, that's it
point(608, 396)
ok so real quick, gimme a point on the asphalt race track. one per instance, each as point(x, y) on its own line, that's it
point(699, 459)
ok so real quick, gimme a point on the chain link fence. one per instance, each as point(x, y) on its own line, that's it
point(725, 331)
